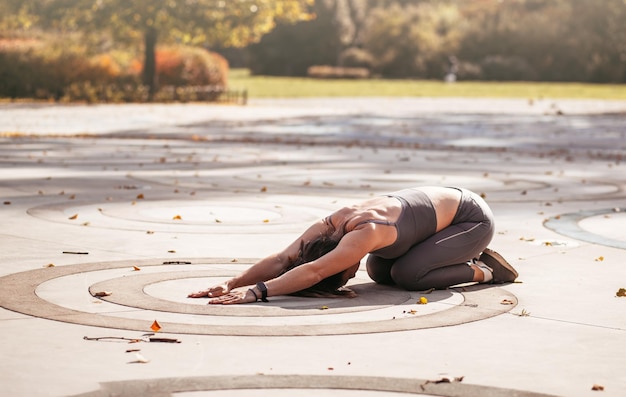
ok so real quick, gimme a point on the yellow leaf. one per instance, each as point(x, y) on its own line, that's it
point(324, 308)
point(155, 326)
point(599, 259)
point(422, 300)
point(266, 221)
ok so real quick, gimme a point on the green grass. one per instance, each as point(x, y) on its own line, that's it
point(297, 87)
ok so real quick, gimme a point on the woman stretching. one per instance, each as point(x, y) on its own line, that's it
point(417, 239)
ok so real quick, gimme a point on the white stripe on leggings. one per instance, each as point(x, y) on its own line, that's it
point(458, 234)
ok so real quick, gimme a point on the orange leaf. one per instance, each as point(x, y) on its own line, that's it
point(140, 196)
point(155, 326)
point(135, 268)
point(73, 217)
point(177, 217)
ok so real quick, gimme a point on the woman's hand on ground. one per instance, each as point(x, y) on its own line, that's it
point(212, 292)
point(233, 297)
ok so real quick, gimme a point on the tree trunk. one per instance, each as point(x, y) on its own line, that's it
point(149, 66)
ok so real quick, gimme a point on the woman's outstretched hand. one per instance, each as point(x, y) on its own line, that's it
point(212, 292)
point(233, 297)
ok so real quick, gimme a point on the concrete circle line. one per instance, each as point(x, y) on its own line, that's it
point(132, 289)
point(169, 386)
point(18, 293)
point(567, 225)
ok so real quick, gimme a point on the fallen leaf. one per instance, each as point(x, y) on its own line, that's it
point(507, 302)
point(264, 189)
point(135, 268)
point(140, 359)
point(7, 203)
point(422, 301)
point(155, 326)
point(597, 388)
point(599, 259)
point(177, 217)
point(172, 251)
point(73, 217)
point(324, 308)
point(217, 220)
point(621, 292)
point(150, 232)
point(102, 293)
point(266, 221)
point(49, 265)
point(140, 196)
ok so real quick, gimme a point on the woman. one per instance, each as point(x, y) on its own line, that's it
point(417, 239)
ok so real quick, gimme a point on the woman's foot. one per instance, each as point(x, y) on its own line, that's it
point(501, 270)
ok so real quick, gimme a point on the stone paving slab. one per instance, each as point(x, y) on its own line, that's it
point(189, 193)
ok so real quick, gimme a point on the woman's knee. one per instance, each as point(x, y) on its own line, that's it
point(379, 270)
point(404, 277)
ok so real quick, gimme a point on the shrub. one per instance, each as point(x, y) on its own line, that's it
point(336, 72)
point(54, 70)
point(190, 66)
point(36, 70)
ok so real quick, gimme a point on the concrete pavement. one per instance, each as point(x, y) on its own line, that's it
point(151, 202)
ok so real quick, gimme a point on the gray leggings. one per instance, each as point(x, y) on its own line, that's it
point(441, 260)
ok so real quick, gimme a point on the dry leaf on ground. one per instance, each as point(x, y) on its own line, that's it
point(155, 326)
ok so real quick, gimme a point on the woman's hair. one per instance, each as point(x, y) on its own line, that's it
point(330, 286)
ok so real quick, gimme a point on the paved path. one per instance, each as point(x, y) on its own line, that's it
point(191, 194)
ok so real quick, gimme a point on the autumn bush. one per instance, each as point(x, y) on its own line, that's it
point(179, 68)
point(49, 70)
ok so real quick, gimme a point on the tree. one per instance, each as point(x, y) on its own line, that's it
point(208, 22)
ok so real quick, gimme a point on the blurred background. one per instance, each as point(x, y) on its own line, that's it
point(150, 50)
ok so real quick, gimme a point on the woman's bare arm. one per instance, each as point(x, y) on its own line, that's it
point(267, 268)
point(351, 249)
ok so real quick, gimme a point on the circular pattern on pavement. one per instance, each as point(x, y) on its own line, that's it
point(158, 292)
point(602, 227)
point(304, 385)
